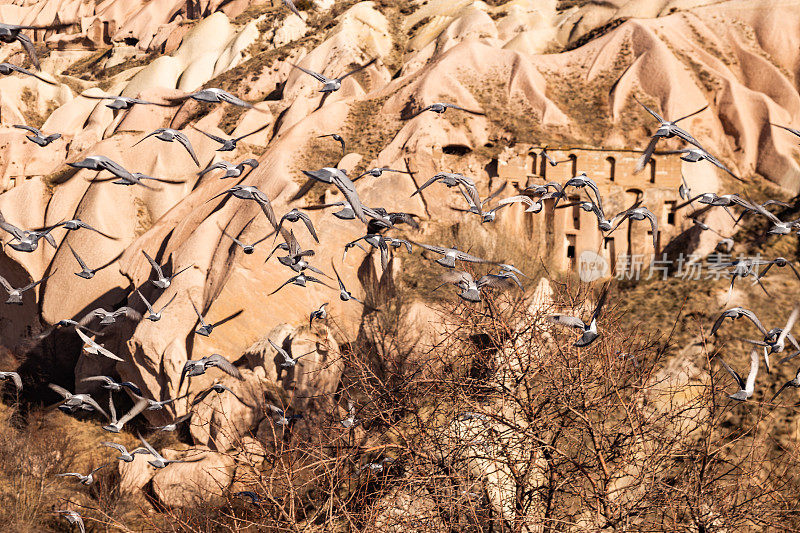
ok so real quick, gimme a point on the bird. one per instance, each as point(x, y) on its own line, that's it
point(170, 135)
point(199, 367)
point(583, 181)
point(110, 317)
point(532, 206)
point(71, 402)
point(112, 385)
point(15, 295)
point(158, 460)
point(158, 405)
point(468, 416)
point(441, 107)
point(377, 467)
point(589, 331)
point(162, 281)
point(37, 136)
point(339, 178)
point(603, 224)
point(336, 137)
point(172, 426)
point(486, 216)
point(249, 495)
point(27, 240)
point(205, 328)
point(280, 417)
point(452, 179)
point(219, 389)
point(246, 248)
point(471, 289)
point(87, 479)
point(91, 347)
point(73, 517)
point(292, 8)
point(125, 455)
point(13, 32)
point(14, 378)
point(693, 155)
point(249, 192)
point(344, 294)
point(318, 314)
point(450, 255)
point(666, 130)
point(779, 262)
point(214, 95)
point(288, 360)
point(639, 213)
point(76, 224)
point(350, 421)
point(300, 280)
point(295, 215)
point(123, 177)
point(8, 68)
point(779, 344)
point(378, 172)
point(794, 382)
point(332, 84)
point(228, 145)
point(549, 159)
point(152, 315)
point(231, 170)
point(746, 389)
point(790, 130)
point(736, 313)
point(118, 102)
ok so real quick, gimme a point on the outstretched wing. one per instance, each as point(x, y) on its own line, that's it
point(223, 364)
point(316, 75)
point(359, 69)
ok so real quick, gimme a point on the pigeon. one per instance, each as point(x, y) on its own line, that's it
point(441, 107)
point(336, 137)
point(169, 135)
point(13, 32)
point(71, 402)
point(15, 295)
point(173, 426)
point(76, 224)
point(112, 385)
point(37, 136)
point(73, 518)
point(471, 289)
point(332, 84)
point(205, 328)
point(109, 317)
point(295, 215)
point(288, 361)
point(158, 460)
point(213, 95)
point(450, 255)
point(745, 388)
point(87, 479)
point(162, 281)
point(318, 314)
point(339, 178)
point(115, 425)
point(199, 367)
point(229, 145)
point(589, 331)
point(350, 421)
point(300, 280)
point(231, 170)
point(152, 315)
point(280, 417)
point(219, 389)
point(246, 248)
point(119, 103)
point(666, 130)
point(125, 455)
point(91, 347)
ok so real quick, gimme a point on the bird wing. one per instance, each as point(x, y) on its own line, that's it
point(211, 136)
point(104, 379)
point(686, 136)
point(653, 226)
point(494, 281)
point(463, 256)
point(310, 225)
point(432, 248)
point(6, 285)
point(229, 98)
point(251, 133)
point(282, 285)
point(154, 132)
point(733, 373)
point(453, 106)
point(149, 307)
point(128, 313)
point(690, 114)
point(716, 162)
point(648, 153)
point(119, 447)
point(175, 275)
point(35, 283)
point(280, 350)
point(96, 346)
point(209, 168)
point(140, 405)
point(789, 325)
point(527, 200)
point(316, 75)
point(338, 278)
point(16, 379)
point(199, 316)
point(169, 302)
point(292, 7)
point(201, 396)
point(60, 390)
point(155, 265)
point(600, 302)
point(349, 191)
point(184, 140)
point(359, 69)
point(28, 128)
point(96, 406)
point(426, 184)
point(655, 115)
point(751, 376)
point(754, 319)
point(266, 207)
point(224, 365)
point(86, 320)
point(147, 445)
point(30, 49)
point(569, 321)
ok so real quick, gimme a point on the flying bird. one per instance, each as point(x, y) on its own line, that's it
point(162, 281)
point(73, 517)
point(125, 455)
point(318, 314)
point(119, 103)
point(27, 240)
point(8, 68)
point(666, 130)
point(219, 389)
point(246, 248)
point(113, 385)
point(15, 295)
point(158, 460)
point(228, 145)
point(441, 107)
point(249, 192)
point(339, 178)
point(693, 155)
point(70, 402)
point(589, 331)
point(794, 382)
point(296, 215)
point(231, 170)
point(736, 313)
point(170, 135)
point(91, 347)
point(471, 289)
point(172, 426)
point(639, 213)
point(123, 177)
point(344, 294)
point(13, 32)
point(450, 255)
point(747, 388)
point(152, 315)
point(332, 84)
point(115, 425)
point(76, 224)
point(280, 417)
point(288, 360)
point(300, 280)
point(109, 317)
point(214, 95)
point(199, 367)
point(336, 137)
point(14, 378)
point(205, 328)
point(37, 136)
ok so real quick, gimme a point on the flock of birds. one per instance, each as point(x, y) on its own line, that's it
point(378, 221)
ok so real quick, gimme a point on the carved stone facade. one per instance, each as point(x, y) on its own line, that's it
point(566, 233)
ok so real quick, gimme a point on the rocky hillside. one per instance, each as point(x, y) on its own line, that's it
point(544, 72)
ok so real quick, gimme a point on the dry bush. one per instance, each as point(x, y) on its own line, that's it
point(616, 436)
